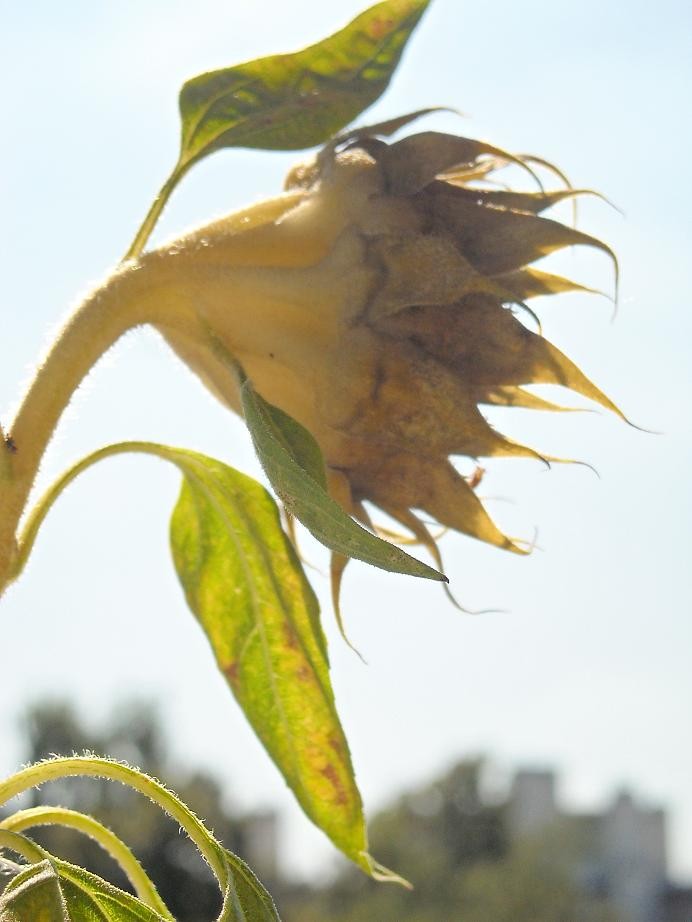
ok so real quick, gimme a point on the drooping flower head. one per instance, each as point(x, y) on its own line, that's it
point(378, 303)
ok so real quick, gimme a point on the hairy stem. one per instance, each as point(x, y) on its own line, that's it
point(20, 845)
point(221, 276)
point(34, 520)
point(98, 323)
point(94, 767)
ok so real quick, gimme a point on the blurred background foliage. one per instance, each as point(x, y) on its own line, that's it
point(453, 843)
point(450, 838)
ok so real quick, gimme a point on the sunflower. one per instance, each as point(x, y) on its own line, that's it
point(378, 302)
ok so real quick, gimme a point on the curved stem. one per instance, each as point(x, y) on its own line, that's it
point(94, 767)
point(172, 289)
point(20, 845)
point(93, 328)
point(61, 816)
point(124, 302)
point(27, 536)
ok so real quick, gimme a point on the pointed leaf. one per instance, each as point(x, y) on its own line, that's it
point(529, 202)
point(299, 100)
point(89, 898)
point(384, 129)
point(305, 498)
point(33, 896)
point(244, 583)
point(299, 443)
point(407, 481)
point(254, 898)
point(491, 348)
point(246, 586)
point(55, 891)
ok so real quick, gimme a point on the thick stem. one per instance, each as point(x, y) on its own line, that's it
point(219, 280)
point(99, 322)
point(20, 845)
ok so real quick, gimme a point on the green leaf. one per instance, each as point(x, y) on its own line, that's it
point(306, 498)
point(33, 896)
point(246, 586)
point(55, 891)
point(288, 101)
point(254, 898)
point(294, 101)
point(88, 898)
point(300, 444)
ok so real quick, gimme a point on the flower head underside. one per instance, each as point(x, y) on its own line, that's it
point(378, 302)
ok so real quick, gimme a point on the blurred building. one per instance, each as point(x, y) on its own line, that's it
point(619, 854)
point(260, 844)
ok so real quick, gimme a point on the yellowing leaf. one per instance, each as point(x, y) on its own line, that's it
point(294, 101)
point(244, 583)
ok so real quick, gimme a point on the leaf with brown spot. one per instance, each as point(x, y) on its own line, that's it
point(244, 582)
point(298, 100)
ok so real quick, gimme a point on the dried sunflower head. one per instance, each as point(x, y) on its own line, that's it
point(377, 303)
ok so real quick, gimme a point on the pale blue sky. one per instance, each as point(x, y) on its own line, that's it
point(590, 669)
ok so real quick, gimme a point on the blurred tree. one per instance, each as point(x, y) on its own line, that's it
point(447, 837)
point(134, 734)
point(453, 844)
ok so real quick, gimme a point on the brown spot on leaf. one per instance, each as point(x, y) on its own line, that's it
point(381, 26)
point(304, 673)
point(290, 637)
point(232, 672)
point(336, 745)
point(332, 776)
